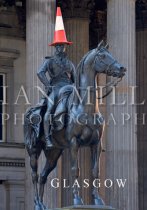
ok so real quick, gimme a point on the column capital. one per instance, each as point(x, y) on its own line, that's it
point(76, 9)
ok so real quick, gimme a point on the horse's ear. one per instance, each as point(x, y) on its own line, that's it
point(100, 45)
point(107, 46)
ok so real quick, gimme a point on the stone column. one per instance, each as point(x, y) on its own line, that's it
point(121, 151)
point(76, 20)
point(40, 30)
point(78, 31)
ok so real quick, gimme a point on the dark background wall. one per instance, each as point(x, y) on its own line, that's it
point(141, 61)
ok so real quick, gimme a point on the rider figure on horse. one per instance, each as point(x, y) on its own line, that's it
point(61, 72)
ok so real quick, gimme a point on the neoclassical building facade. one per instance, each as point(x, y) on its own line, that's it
point(26, 28)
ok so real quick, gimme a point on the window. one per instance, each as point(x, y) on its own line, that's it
point(2, 107)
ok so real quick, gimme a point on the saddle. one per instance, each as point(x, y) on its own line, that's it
point(34, 115)
point(60, 117)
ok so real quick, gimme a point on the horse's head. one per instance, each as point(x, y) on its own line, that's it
point(105, 63)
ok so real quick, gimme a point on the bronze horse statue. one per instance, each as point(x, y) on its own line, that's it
point(72, 133)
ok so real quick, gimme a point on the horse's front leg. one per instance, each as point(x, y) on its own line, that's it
point(95, 158)
point(75, 170)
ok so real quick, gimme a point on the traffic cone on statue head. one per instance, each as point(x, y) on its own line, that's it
point(59, 34)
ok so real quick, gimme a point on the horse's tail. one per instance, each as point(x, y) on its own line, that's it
point(30, 135)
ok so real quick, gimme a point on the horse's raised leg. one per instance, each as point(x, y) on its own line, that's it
point(75, 170)
point(52, 156)
point(95, 159)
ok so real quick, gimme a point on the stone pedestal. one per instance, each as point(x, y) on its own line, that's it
point(87, 207)
point(121, 150)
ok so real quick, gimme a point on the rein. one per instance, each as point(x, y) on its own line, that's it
point(113, 83)
point(107, 70)
point(110, 84)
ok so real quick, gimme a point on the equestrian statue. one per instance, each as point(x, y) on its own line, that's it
point(69, 117)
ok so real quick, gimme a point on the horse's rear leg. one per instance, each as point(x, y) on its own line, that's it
point(34, 166)
point(75, 169)
point(95, 162)
point(52, 156)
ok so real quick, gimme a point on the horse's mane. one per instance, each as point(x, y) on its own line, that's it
point(80, 67)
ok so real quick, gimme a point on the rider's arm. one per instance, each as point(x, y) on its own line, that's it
point(42, 73)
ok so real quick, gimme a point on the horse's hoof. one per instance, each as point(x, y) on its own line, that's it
point(78, 201)
point(99, 201)
point(37, 207)
point(43, 207)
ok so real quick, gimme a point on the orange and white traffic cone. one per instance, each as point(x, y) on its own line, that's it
point(59, 34)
